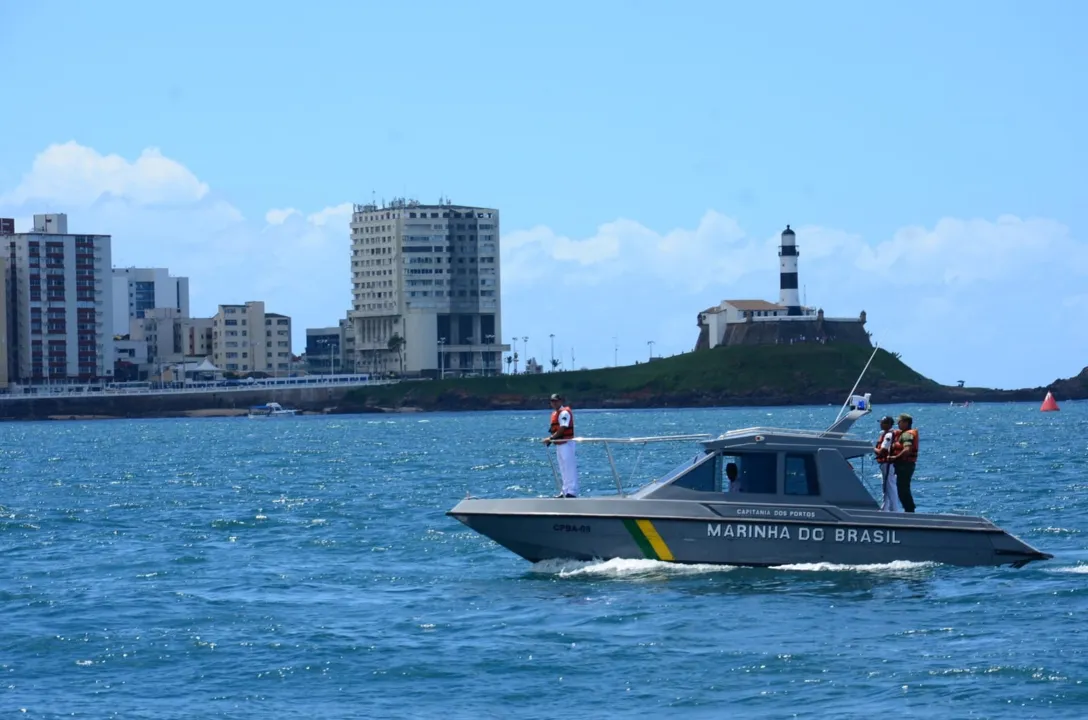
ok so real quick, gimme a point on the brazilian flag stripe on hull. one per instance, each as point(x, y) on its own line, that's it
point(647, 538)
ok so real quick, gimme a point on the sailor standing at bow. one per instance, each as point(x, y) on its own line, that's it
point(888, 437)
point(561, 432)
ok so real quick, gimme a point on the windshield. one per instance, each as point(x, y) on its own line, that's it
point(686, 465)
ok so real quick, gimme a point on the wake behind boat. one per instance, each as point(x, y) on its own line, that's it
point(795, 499)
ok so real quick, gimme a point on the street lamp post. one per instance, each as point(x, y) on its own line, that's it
point(651, 344)
point(552, 357)
point(441, 369)
point(525, 352)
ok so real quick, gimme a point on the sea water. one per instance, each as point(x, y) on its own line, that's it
point(304, 567)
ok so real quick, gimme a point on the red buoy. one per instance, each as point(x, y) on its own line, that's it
point(1049, 403)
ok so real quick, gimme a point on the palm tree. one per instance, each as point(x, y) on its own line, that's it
point(396, 345)
point(509, 361)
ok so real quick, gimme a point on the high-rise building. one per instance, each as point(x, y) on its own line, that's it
point(426, 289)
point(137, 290)
point(60, 313)
point(246, 339)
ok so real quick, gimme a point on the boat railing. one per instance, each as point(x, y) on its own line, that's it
point(608, 441)
point(790, 432)
point(651, 438)
point(756, 431)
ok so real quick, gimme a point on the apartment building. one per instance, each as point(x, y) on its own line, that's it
point(168, 338)
point(4, 311)
point(194, 337)
point(138, 290)
point(426, 290)
point(60, 314)
point(246, 339)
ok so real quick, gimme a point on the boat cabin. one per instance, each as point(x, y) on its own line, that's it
point(773, 466)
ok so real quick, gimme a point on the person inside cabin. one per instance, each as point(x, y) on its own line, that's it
point(883, 449)
point(561, 433)
point(904, 457)
point(731, 473)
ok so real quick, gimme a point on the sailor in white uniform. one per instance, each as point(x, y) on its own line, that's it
point(887, 469)
point(561, 432)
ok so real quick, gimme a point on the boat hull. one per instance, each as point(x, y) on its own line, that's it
point(716, 536)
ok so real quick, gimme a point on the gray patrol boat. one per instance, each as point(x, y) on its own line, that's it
point(796, 499)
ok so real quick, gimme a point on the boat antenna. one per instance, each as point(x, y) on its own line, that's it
point(856, 383)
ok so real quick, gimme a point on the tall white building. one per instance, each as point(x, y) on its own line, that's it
point(246, 339)
point(137, 290)
point(429, 276)
point(61, 304)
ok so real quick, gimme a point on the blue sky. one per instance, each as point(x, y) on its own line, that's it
point(644, 157)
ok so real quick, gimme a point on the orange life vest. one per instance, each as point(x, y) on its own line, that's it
point(912, 452)
point(881, 453)
point(565, 433)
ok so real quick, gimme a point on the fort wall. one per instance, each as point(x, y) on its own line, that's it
point(849, 332)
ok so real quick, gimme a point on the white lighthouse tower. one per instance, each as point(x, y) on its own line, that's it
point(787, 254)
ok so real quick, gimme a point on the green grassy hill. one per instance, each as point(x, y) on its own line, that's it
point(739, 375)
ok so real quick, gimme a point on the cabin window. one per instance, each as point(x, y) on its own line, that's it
point(756, 473)
point(801, 475)
point(703, 476)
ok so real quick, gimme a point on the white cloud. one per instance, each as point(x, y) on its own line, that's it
point(338, 216)
point(72, 173)
point(995, 302)
point(279, 216)
point(625, 249)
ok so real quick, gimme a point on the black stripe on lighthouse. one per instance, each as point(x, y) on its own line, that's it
point(789, 281)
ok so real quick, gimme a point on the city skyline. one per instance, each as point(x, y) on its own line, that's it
point(942, 196)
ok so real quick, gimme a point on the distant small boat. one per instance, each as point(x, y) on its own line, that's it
point(271, 409)
point(1049, 403)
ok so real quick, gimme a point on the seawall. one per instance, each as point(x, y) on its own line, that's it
point(315, 399)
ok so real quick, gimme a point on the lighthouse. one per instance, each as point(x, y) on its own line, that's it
point(787, 254)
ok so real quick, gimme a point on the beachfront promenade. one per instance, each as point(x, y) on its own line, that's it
point(18, 393)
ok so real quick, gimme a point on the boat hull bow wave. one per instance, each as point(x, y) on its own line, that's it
point(735, 533)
